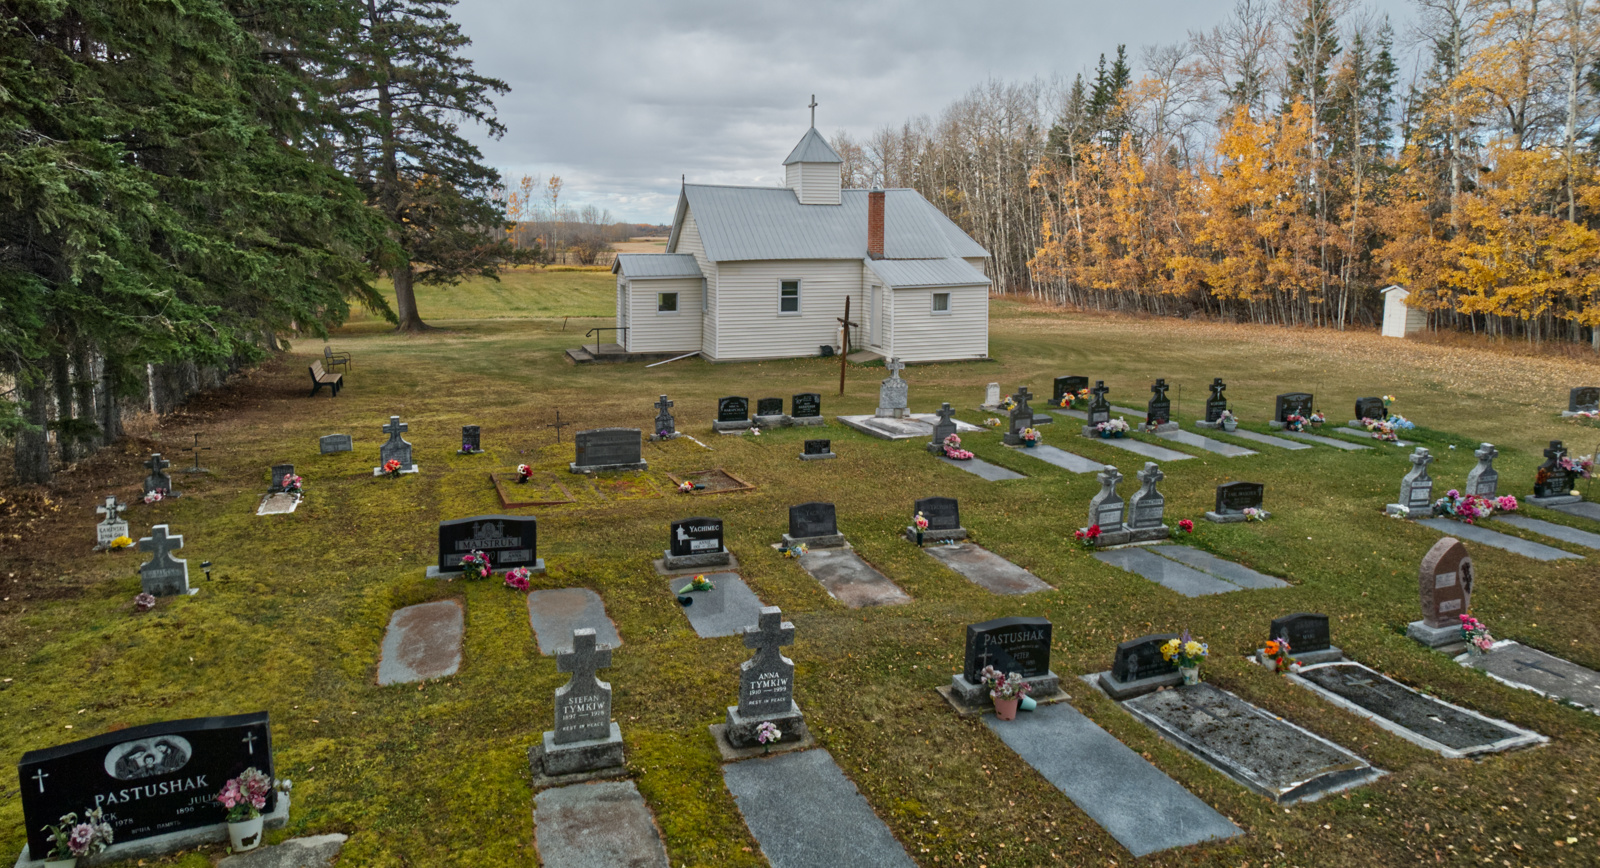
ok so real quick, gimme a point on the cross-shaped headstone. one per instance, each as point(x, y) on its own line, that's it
point(559, 425)
point(945, 415)
point(894, 366)
point(161, 544)
point(1217, 388)
point(1556, 451)
point(1421, 458)
point(770, 633)
point(663, 406)
point(1486, 453)
point(158, 480)
point(1109, 479)
point(1022, 397)
point(1159, 389)
point(584, 660)
point(112, 510)
point(395, 428)
point(157, 464)
point(197, 449)
point(1099, 391)
point(1150, 475)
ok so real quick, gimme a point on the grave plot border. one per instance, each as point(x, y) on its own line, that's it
point(743, 485)
point(501, 486)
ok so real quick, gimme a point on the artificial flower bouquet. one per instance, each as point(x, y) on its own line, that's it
point(245, 796)
point(1471, 507)
point(1031, 436)
point(698, 583)
point(1476, 634)
point(391, 468)
point(953, 450)
point(292, 485)
point(686, 486)
point(155, 495)
point(793, 551)
point(71, 838)
point(1087, 537)
point(1110, 428)
point(1185, 651)
point(1277, 650)
point(524, 473)
point(518, 578)
point(476, 565)
point(1294, 422)
point(1004, 685)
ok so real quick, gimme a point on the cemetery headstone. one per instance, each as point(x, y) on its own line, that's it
point(1147, 507)
point(1021, 417)
point(733, 414)
point(585, 739)
point(604, 449)
point(396, 448)
point(666, 426)
point(158, 479)
point(1105, 508)
point(805, 409)
point(769, 413)
point(331, 443)
point(1158, 412)
point(1064, 386)
point(160, 779)
point(1215, 404)
point(1016, 644)
point(893, 394)
point(1309, 638)
point(1416, 487)
point(471, 440)
point(1139, 668)
point(1445, 584)
point(766, 684)
point(1483, 480)
point(818, 450)
point(944, 519)
point(112, 526)
point(1291, 404)
point(943, 428)
point(813, 524)
point(694, 543)
point(164, 575)
point(1233, 498)
point(1553, 482)
point(1583, 399)
point(1371, 408)
point(279, 471)
point(509, 541)
point(1099, 407)
point(991, 397)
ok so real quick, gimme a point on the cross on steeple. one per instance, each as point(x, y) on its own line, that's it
point(894, 367)
point(111, 510)
point(157, 464)
point(161, 543)
point(663, 406)
point(394, 428)
point(584, 660)
point(1159, 389)
point(813, 108)
point(770, 633)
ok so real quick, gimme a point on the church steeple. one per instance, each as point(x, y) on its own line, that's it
point(812, 169)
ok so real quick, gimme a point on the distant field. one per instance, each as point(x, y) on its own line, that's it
point(641, 245)
point(523, 293)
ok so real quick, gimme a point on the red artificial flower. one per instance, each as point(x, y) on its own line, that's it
point(1186, 525)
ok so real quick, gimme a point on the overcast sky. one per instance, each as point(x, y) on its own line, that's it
point(621, 98)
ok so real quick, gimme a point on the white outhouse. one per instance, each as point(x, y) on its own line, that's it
point(1398, 319)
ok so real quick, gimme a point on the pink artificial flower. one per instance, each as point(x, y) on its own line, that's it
point(82, 837)
point(1506, 503)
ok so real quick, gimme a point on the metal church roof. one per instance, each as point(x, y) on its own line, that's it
point(646, 266)
point(813, 148)
point(926, 272)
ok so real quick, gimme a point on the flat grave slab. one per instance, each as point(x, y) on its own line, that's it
point(1170, 574)
point(1582, 509)
point(1266, 439)
point(914, 425)
point(1531, 669)
point(1449, 730)
point(986, 569)
point(851, 580)
point(805, 813)
point(596, 825)
point(715, 481)
point(1126, 411)
point(278, 503)
point(555, 613)
point(1264, 752)
point(1363, 434)
point(1062, 458)
point(725, 610)
point(983, 469)
point(1495, 539)
point(1148, 450)
point(1076, 414)
point(1189, 438)
point(422, 642)
point(1325, 441)
point(1554, 531)
point(1141, 807)
point(314, 851)
point(1224, 569)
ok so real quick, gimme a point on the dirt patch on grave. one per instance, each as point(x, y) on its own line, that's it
point(541, 489)
point(714, 481)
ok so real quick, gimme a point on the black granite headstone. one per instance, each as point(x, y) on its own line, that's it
point(1216, 404)
point(1159, 410)
point(1065, 386)
point(733, 410)
point(150, 780)
point(812, 519)
point(279, 471)
point(806, 405)
point(1583, 398)
point(471, 439)
point(1099, 407)
point(942, 513)
point(599, 447)
point(769, 407)
point(1551, 479)
point(819, 447)
point(1236, 496)
point(1371, 408)
point(508, 540)
point(1305, 631)
point(696, 536)
point(1009, 645)
point(1141, 658)
point(1292, 403)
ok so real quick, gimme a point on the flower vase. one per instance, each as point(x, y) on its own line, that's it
point(245, 834)
point(1191, 674)
point(1029, 444)
point(1027, 703)
point(1271, 663)
point(1005, 709)
point(1230, 426)
point(919, 538)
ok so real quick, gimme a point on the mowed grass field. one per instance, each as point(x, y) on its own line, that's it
point(437, 774)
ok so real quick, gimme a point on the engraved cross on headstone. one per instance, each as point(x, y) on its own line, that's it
point(894, 366)
point(1486, 453)
point(1534, 664)
point(584, 660)
point(770, 633)
point(1109, 479)
point(112, 510)
point(1217, 388)
point(1159, 389)
point(1150, 475)
point(1099, 392)
point(249, 742)
point(39, 775)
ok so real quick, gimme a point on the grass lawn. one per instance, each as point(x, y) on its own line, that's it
point(437, 774)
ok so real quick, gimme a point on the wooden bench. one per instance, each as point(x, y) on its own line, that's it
point(320, 378)
point(333, 360)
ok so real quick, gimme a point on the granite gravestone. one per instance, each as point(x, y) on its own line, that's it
point(733, 413)
point(944, 518)
point(1019, 645)
point(1105, 508)
point(396, 449)
point(805, 409)
point(1233, 498)
point(1065, 386)
point(279, 471)
point(1583, 399)
point(164, 575)
point(943, 428)
point(818, 450)
point(150, 780)
point(1371, 408)
point(1416, 487)
point(331, 443)
point(112, 526)
point(471, 440)
point(1216, 404)
point(813, 524)
point(1444, 583)
point(509, 541)
point(1147, 507)
point(158, 479)
point(766, 684)
point(694, 543)
point(1139, 668)
point(769, 412)
point(991, 397)
point(604, 449)
point(584, 739)
point(1553, 482)
point(1021, 417)
point(1158, 411)
point(1291, 404)
point(666, 426)
point(1309, 638)
point(1483, 480)
point(893, 394)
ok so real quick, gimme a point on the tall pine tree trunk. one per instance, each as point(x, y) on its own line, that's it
point(405, 299)
point(61, 375)
point(110, 404)
point(32, 459)
point(83, 382)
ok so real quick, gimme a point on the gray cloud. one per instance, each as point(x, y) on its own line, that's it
point(622, 98)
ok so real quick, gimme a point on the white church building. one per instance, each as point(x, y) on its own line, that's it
point(763, 272)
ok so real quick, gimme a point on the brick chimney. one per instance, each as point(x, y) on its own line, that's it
point(875, 224)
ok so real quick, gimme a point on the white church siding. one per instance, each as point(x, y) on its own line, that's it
point(820, 183)
point(920, 335)
point(652, 331)
point(749, 325)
